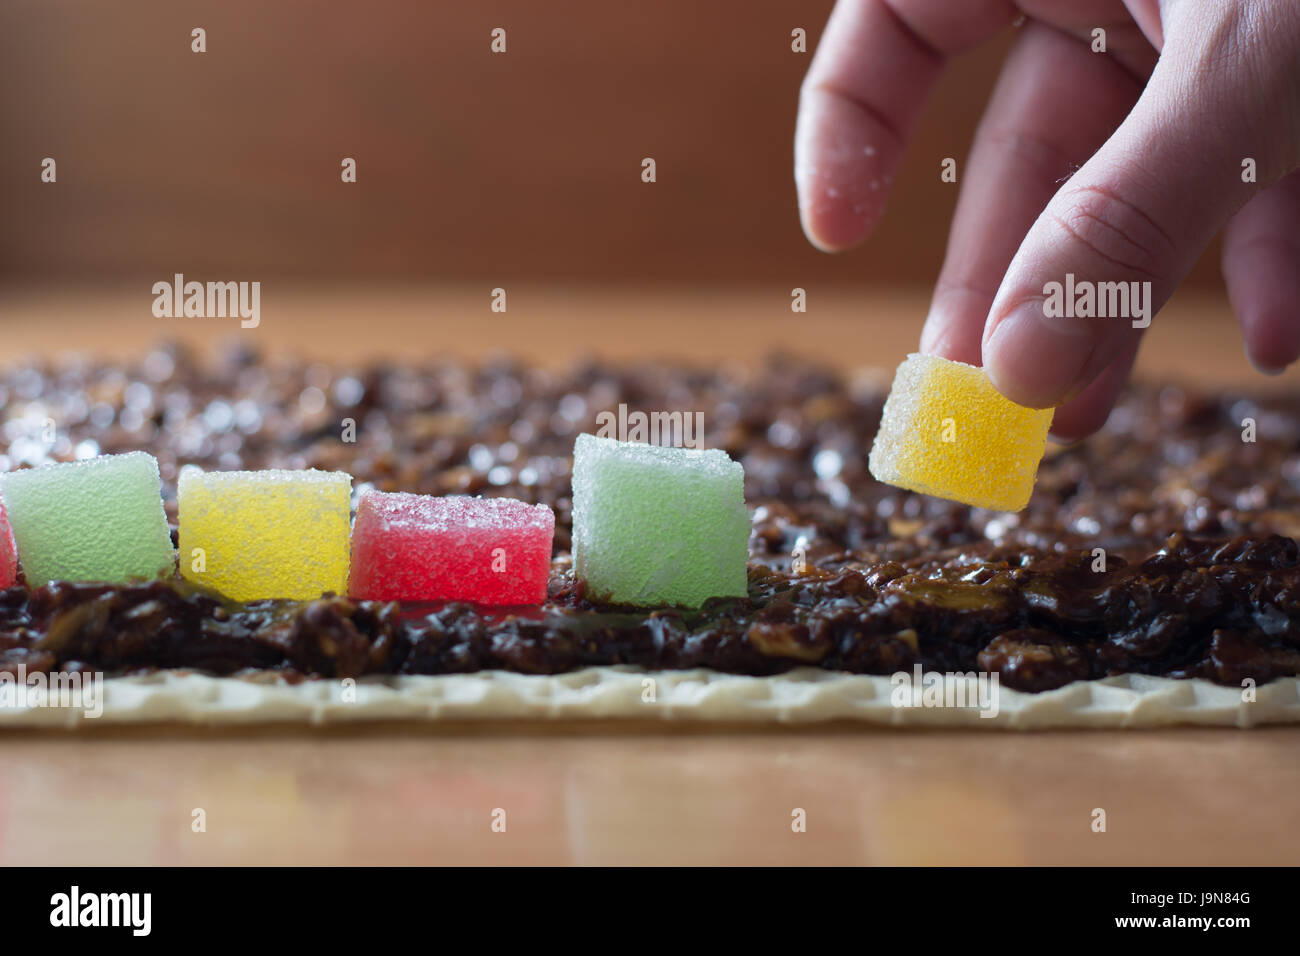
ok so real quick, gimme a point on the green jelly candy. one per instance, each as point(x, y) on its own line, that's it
point(658, 526)
point(96, 520)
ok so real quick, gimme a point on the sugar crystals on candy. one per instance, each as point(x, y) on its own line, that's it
point(655, 525)
point(100, 519)
point(253, 535)
point(946, 431)
point(423, 548)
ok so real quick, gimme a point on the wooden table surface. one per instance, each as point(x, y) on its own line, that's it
point(600, 793)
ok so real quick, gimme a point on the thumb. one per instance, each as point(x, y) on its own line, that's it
point(1119, 236)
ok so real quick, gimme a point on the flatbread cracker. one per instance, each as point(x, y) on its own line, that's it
point(803, 696)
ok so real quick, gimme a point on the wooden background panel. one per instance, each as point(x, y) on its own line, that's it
point(226, 164)
point(1195, 338)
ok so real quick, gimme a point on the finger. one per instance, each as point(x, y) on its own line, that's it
point(1132, 28)
point(1134, 219)
point(1088, 411)
point(865, 89)
point(1026, 145)
point(1261, 265)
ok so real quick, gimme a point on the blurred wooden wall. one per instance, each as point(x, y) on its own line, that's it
point(470, 165)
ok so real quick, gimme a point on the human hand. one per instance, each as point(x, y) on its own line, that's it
point(1153, 135)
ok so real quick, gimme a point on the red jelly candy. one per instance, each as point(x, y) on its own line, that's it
point(8, 552)
point(420, 548)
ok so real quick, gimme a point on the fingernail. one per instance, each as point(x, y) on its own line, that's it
point(1035, 360)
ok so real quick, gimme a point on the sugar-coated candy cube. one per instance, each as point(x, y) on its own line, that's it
point(8, 552)
point(421, 548)
point(100, 519)
point(946, 431)
point(253, 535)
point(655, 525)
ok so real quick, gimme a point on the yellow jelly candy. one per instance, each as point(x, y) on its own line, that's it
point(946, 431)
point(265, 534)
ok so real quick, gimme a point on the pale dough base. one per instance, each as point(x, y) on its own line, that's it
point(802, 696)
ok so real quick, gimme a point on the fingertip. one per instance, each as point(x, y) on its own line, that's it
point(1268, 360)
point(1076, 420)
point(949, 338)
point(954, 324)
point(831, 234)
point(934, 340)
point(834, 222)
point(1033, 363)
point(1272, 341)
point(842, 171)
point(1088, 411)
point(1273, 371)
